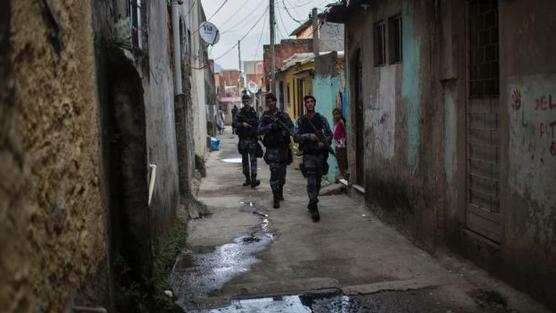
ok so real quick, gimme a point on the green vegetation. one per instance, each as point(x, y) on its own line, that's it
point(165, 250)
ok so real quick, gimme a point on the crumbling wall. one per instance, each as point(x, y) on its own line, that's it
point(53, 219)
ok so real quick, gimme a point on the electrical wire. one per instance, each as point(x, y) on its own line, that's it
point(218, 10)
point(233, 14)
point(243, 37)
point(260, 41)
point(235, 26)
point(289, 14)
point(283, 24)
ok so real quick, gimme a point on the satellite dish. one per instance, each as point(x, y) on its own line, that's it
point(209, 33)
point(252, 87)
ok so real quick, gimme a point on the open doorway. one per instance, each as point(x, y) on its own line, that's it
point(359, 120)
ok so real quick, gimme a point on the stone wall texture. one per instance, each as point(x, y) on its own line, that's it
point(51, 205)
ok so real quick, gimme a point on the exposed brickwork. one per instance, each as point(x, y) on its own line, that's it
point(284, 50)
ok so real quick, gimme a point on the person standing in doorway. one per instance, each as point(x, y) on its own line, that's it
point(276, 127)
point(246, 124)
point(339, 132)
point(313, 134)
point(234, 112)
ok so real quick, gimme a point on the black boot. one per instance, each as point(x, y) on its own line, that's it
point(281, 194)
point(254, 181)
point(247, 181)
point(276, 202)
point(314, 210)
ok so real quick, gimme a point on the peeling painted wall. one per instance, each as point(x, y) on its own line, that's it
point(326, 87)
point(411, 84)
point(421, 187)
point(382, 115)
point(528, 100)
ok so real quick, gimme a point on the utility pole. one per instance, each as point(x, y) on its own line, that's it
point(240, 81)
point(272, 51)
point(315, 17)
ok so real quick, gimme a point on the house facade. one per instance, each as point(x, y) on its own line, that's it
point(449, 121)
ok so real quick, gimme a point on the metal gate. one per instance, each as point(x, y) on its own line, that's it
point(483, 122)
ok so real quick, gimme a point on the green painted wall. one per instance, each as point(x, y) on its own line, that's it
point(411, 83)
point(325, 89)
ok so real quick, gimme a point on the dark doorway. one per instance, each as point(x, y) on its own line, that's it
point(359, 125)
point(125, 153)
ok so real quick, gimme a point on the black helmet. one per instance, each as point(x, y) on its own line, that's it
point(245, 96)
point(270, 95)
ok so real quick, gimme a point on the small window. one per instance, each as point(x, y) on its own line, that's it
point(379, 43)
point(395, 39)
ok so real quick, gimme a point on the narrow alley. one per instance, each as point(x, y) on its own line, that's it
point(246, 256)
point(128, 130)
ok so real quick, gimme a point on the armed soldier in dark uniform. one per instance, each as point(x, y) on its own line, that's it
point(276, 127)
point(313, 134)
point(246, 124)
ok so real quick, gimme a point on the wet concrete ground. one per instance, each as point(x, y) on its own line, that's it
point(248, 257)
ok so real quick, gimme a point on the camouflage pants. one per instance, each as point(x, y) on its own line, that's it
point(245, 158)
point(314, 165)
point(277, 177)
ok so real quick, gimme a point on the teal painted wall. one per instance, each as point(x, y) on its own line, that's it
point(325, 90)
point(411, 83)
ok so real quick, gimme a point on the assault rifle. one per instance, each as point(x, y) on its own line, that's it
point(280, 124)
point(321, 138)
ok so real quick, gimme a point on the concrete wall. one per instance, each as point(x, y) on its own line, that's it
point(53, 218)
point(399, 151)
point(415, 134)
point(331, 36)
point(159, 111)
point(528, 108)
point(199, 61)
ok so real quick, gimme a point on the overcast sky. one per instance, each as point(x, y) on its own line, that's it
point(237, 16)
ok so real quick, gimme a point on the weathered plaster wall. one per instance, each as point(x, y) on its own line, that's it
point(528, 99)
point(200, 61)
point(411, 84)
point(53, 218)
point(401, 178)
point(160, 120)
point(326, 85)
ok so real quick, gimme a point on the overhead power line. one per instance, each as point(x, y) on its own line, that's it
point(289, 14)
point(260, 41)
point(240, 23)
point(218, 10)
point(283, 24)
point(242, 6)
point(245, 35)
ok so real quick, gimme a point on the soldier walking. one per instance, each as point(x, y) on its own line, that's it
point(313, 134)
point(276, 127)
point(246, 124)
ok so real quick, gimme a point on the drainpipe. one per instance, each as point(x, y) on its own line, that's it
point(178, 90)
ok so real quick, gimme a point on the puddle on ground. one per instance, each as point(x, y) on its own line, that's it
point(232, 160)
point(417, 301)
point(329, 302)
point(200, 272)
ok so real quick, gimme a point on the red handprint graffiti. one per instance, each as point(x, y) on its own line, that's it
point(516, 99)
